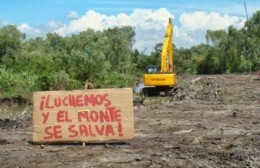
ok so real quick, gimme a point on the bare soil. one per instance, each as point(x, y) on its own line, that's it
point(211, 121)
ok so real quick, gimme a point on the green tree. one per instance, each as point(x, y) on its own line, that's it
point(10, 40)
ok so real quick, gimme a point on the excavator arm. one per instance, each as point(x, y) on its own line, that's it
point(167, 50)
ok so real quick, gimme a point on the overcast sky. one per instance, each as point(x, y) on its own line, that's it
point(191, 17)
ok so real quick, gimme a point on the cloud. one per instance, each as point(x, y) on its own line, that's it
point(213, 21)
point(29, 31)
point(183, 38)
point(52, 26)
point(149, 25)
point(73, 15)
point(193, 26)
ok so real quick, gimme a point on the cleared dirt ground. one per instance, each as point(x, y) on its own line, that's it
point(211, 121)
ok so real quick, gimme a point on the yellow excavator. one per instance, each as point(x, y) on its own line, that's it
point(162, 82)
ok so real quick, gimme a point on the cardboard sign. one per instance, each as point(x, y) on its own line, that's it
point(83, 115)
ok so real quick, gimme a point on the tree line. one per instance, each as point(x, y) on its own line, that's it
point(226, 51)
point(107, 58)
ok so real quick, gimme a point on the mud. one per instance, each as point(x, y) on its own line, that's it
point(211, 121)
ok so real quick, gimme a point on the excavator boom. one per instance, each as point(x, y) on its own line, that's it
point(167, 50)
point(165, 79)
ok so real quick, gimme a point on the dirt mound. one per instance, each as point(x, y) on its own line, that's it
point(202, 88)
point(17, 100)
point(7, 123)
point(22, 120)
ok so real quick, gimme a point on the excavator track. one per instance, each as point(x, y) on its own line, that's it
point(157, 91)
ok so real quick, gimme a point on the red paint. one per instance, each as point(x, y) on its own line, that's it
point(53, 132)
point(47, 105)
point(100, 131)
point(63, 116)
point(104, 116)
point(83, 115)
point(111, 114)
point(110, 110)
point(115, 114)
point(109, 130)
point(83, 130)
point(95, 100)
point(107, 102)
point(94, 116)
point(120, 132)
point(73, 131)
point(78, 100)
point(57, 102)
point(72, 100)
point(45, 117)
point(65, 101)
point(89, 100)
point(48, 131)
point(42, 102)
point(89, 130)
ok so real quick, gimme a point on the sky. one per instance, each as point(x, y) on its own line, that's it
point(192, 18)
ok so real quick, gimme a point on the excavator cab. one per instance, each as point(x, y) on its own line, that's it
point(152, 69)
